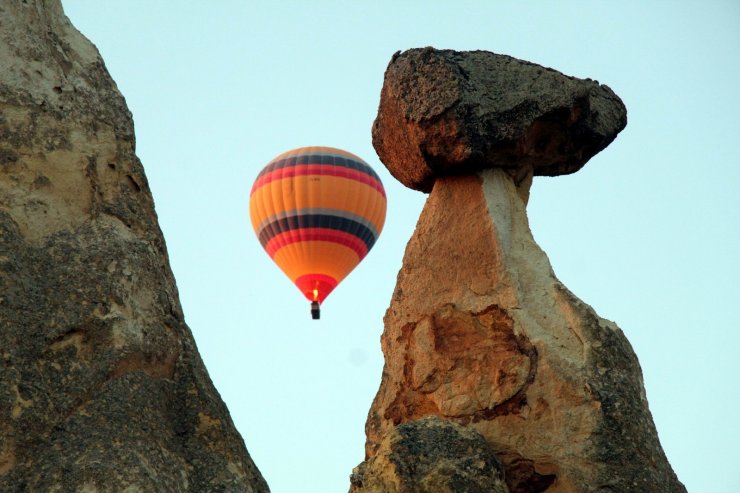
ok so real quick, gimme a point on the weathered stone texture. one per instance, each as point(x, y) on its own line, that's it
point(444, 112)
point(431, 455)
point(479, 330)
point(101, 385)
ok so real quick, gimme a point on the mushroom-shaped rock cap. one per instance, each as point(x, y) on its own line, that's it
point(445, 112)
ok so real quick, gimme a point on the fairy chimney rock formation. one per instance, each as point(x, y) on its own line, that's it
point(479, 331)
point(101, 385)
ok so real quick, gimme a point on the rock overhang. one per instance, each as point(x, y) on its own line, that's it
point(445, 112)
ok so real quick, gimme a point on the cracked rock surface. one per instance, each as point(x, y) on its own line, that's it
point(101, 385)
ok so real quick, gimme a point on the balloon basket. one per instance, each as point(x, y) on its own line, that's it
point(315, 310)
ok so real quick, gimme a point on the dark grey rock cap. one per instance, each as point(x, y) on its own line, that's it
point(445, 112)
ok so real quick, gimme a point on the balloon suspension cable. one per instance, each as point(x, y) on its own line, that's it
point(315, 310)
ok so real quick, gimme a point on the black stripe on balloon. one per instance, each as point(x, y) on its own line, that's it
point(319, 159)
point(274, 228)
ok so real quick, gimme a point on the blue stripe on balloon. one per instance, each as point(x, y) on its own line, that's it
point(329, 221)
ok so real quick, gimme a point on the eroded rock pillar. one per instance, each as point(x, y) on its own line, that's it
point(479, 331)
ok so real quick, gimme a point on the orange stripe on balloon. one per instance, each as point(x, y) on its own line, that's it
point(329, 192)
point(305, 257)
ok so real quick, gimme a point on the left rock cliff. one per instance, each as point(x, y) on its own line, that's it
point(101, 385)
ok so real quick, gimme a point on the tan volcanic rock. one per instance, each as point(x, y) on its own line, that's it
point(101, 385)
point(480, 332)
point(444, 112)
point(431, 455)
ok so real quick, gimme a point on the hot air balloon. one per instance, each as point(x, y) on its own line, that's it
point(317, 211)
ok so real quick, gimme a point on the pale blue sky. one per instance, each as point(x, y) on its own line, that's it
point(647, 233)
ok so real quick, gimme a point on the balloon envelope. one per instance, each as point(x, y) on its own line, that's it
point(317, 211)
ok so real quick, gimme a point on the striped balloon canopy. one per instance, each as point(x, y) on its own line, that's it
point(317, 211)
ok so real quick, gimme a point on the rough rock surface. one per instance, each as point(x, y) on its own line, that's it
point(480, 332)
point(444, 112)
point(101, 385)
point(431, 455)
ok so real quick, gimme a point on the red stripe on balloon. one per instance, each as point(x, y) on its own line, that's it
point(316, 234)
point(319, 169)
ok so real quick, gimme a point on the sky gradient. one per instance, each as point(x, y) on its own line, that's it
point(647, 232)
